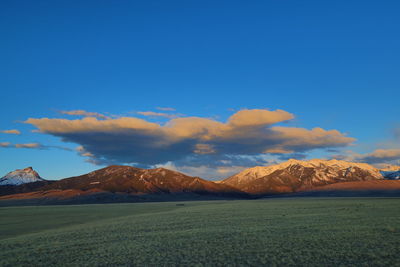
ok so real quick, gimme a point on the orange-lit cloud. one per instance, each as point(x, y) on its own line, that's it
point(379, 156)
point(28, 145)
point(258, 117)
point(204, 149)
point(32, 146)
point(4, 144)
point(91, 124)
point(134, 140)
point(13, 131)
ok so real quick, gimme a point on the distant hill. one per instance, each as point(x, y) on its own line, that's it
point(23, 188)
point(133, 180)
point(375, 185)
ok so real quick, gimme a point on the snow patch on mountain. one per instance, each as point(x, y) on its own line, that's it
point(22, 176)
point(324, 170)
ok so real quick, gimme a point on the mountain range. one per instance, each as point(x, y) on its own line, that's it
point(126, 183)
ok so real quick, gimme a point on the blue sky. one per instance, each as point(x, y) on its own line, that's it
point(333, 65)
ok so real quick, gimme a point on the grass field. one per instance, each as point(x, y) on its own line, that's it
point(275, 232)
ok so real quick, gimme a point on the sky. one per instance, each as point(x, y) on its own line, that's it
point(203, 87)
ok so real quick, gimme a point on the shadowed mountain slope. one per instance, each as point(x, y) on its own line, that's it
point(133, 180)
point(122, 184)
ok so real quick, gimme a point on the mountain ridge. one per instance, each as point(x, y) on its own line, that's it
point(127, 183)
point(296, 175)
point(138, 181)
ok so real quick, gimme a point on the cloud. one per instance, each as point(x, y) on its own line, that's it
point(32, 146)
point(379, 156)
point(165, 109)
point(29, 145)
point(205, 171)
point(156, 114)
point(83, 113)
point(204, 149)
point(216, 167)
point(387, 154)
point(212, 173)
point(258, 117)
point(132, 140)
point(397, 133)
point(299, 156)
point(300, 139)
point(4, 144)
point(13, 131)
point(215, 160)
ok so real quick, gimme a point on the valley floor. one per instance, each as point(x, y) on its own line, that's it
point(281, 231)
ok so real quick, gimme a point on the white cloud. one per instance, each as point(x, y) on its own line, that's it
point(204, 171)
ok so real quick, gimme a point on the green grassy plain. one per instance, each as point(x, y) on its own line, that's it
point(274, 232)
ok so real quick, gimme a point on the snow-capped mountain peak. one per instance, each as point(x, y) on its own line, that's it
point(21, 176)
point(260, 171)
point(309, 173)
